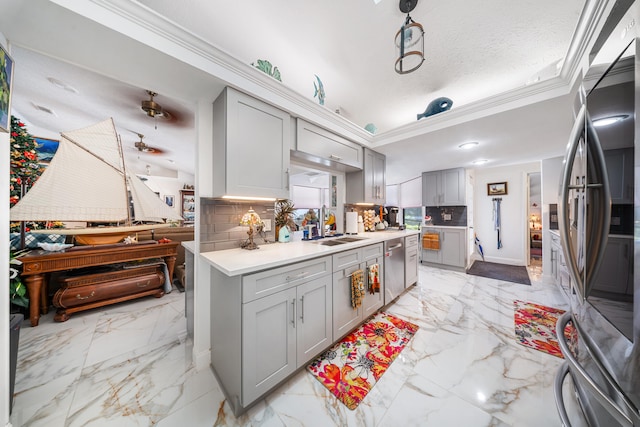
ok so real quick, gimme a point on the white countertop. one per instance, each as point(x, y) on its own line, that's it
point(444, 226)
point(234, 262)
point(190, 246)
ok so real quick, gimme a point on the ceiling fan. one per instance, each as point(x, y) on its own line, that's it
point(153, 109)
point(144, 148)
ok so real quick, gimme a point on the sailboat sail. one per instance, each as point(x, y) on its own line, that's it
point(85, 181)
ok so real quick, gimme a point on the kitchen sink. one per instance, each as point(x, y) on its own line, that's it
point(352, 239)
point(331, 242)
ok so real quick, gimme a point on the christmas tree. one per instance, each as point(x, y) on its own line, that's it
point(25, 168)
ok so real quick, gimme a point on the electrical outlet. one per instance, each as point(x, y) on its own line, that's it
point(447, 217)
point(267, 224)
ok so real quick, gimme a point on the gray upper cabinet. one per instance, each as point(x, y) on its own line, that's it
point(620, 173)
point(444, 188)
point(321, 145)
point(369, 184)
point(251, 147)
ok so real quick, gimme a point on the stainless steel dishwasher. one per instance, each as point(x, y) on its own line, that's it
point(393, 269)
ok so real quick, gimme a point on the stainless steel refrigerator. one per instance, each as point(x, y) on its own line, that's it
point(601, 171)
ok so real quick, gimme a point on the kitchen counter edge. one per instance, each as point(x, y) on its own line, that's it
point(235, 262)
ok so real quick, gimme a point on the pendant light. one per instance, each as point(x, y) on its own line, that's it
point(409, 41)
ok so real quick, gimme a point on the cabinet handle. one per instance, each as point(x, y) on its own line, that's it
point(287, 180)
point(87, 297)
point(334, 157)
point(293, 312)
point(297, 276)
point(302, 308)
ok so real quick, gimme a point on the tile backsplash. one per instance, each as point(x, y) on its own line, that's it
point(220, 223)
point(448, 215)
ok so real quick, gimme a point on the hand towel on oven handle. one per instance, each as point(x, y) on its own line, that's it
point(374, 278)
point(357, 288)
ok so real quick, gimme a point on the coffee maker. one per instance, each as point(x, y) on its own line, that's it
point(391, 216)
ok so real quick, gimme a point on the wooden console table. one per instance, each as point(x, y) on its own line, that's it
point(38, 263)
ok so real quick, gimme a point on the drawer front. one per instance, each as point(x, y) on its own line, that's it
point(373, 251)
point(346, 259)
point(411, 242)
point(74, 296)
point(267, 282)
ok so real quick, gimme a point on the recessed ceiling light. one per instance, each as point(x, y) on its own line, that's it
point(468, 145)
point(480, 162)
point(606, 121)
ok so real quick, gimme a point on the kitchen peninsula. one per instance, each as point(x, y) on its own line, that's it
point(276, 308)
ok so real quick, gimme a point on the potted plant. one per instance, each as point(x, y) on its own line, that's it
point(17, 289)
point(284, 216)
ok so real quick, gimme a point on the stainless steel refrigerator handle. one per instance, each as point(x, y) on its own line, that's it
point(557, 391)
point(565, 186)
point(600, 214)
point(577, 369)
point(601, 217)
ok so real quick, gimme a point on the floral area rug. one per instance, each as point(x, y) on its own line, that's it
point(353, 366)
point(536, 327)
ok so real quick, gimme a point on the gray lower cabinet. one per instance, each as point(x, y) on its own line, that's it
point(281, 332)
point(620, 173)
point(411, 257)
point(345, 317)
point(452, 252)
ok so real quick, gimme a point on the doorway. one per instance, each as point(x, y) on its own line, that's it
point(534, 213)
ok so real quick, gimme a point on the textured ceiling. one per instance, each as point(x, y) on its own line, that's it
point(475, 50)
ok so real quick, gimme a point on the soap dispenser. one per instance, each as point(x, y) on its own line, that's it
point(284, 235)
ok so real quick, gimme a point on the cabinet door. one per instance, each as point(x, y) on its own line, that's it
point(369, 177)
point(620, 173)
point(373, 302)
point(314, 325)
point(379, 182)
point(268, 343)
point(452, 187)
point(345, 318)
point(325, 145)
point(257, 148)
point(410, 260)
point(433, 256)
point(453, 246)
point(430, 191)
point(613, 274)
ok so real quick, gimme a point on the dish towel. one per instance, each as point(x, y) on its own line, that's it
point(357, 288)
point(431, 241)
point(374, 279)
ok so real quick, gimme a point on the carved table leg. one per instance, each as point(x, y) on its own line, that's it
point(171, 263)
point(34, 286)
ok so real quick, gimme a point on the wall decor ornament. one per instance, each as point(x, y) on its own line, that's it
point(319, 90)
point(436, 106)
point(496, 189)
point(266, 67)
point(6, 77)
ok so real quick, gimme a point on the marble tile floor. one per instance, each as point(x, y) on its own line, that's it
point(130, 365)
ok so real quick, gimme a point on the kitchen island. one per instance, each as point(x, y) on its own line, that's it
point(276, 308)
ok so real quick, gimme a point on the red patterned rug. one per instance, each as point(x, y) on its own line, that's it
point(536, 327)
point(353, 366)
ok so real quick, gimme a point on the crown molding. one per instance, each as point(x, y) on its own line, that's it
point(143, 24)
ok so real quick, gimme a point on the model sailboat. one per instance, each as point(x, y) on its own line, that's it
point(87, 181)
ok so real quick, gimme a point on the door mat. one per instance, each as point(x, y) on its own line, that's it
point(535, 327)
point(508, 273)
point(351, 368)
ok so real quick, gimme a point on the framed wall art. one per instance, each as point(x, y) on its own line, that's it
point(497, 189)
point(6, 77)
